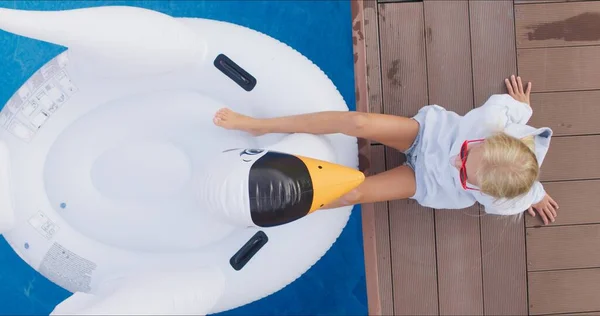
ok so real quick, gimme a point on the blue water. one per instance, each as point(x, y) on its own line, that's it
point(321, 30)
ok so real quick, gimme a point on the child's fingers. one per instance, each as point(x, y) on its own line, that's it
point(553, 202)
point(509, 87)
point(552, 209)
point(520, 85)
point(528, 88)
point(531, 212)
point(543, 216)
point(548, 212)
point(514, 82)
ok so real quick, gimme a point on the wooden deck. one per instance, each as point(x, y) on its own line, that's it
point(456, 54)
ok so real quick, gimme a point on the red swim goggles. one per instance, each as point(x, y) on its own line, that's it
point(464, 152)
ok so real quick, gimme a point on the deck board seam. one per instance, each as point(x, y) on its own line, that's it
point(576, 135)
point(566, 90)
point(518, 3)
point(564, 269)
point(574, 313)
point(524, 223)
point(556, 47)
point(380, 88)
point(570, 180)
point(559, 91)
point(381, 111)
point(479, 205)
point(387, 205)
point(563, 225)
point(567, 225)
point(435, 243)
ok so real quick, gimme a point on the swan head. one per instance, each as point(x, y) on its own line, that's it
point(280, 187)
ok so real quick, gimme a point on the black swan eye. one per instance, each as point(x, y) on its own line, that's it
point(250, 152)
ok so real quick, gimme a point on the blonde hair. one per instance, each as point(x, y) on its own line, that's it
point(509, 167)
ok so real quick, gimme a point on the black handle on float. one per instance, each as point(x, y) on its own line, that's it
point(248, 250)
point(235, 72)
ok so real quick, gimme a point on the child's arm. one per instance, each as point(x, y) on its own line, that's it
point(514, 107)
point(543, 204)
point(516, 91)
point(504, 206)
point(537, 192)
point(535, 200)
point(512, 206)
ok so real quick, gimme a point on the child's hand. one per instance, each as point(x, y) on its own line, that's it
point(515, 89)
point(546, 207)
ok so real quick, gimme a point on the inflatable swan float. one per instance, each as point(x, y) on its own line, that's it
point(116, 185)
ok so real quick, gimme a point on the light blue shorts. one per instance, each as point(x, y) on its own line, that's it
point(412, 157)
point(412, 153)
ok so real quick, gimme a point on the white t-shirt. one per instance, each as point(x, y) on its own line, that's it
point(443, 133)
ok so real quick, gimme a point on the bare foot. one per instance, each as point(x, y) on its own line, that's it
point(229, 119)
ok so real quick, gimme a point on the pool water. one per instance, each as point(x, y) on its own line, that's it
point(319, 29)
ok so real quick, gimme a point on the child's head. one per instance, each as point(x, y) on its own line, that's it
point(508, 166)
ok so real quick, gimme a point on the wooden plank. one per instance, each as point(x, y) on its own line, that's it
point(594, 313)
point(564, 291)
point(371, 250)
point(503, 265)
point(567, 113)
point(561, 68)
point(403, 64)
point(572, 158)
point(384, 256)
point(521, 2)
point(558, 24)
point(448, 47)
point(502, 238)
point(360, 76)
point(493, 47)
point(360, 56)
point(563, 247)
point(575, 208)
point(376, 235)
point(412, 232)
point(413, 253)
point(376, 239)
point(459, 261)
point(371, 36)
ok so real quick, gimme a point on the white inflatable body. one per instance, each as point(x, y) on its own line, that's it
point(103, 152)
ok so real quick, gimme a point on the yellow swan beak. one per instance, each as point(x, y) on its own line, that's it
point(330, 181)
point(283, 188)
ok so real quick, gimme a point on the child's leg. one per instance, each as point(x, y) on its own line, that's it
point(395, 184)
point(394, 131)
